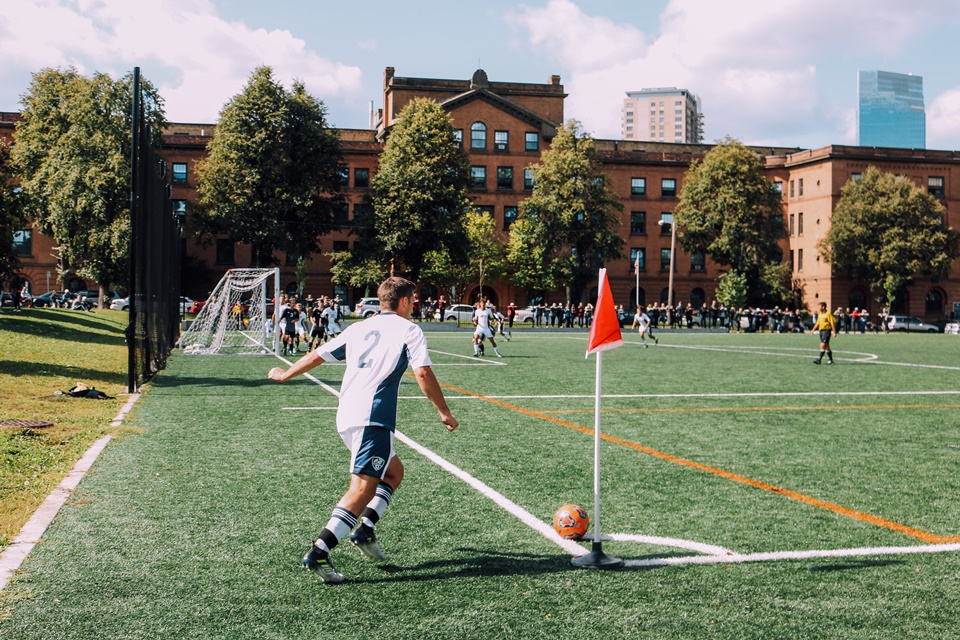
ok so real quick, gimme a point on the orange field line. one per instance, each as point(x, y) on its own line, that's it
point(829, 506)
point(805, 408)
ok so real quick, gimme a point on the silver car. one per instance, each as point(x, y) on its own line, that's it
point(910, 323)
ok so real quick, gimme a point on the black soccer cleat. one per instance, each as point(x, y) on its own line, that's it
point(318, 561)
point(367, 543)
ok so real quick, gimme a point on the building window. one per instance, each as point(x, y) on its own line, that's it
point(509, 217)
point(179, 173)
point(505, 178)
point(664, 259)
point(799, 224)
point(458, 138)
point(361, 178)
point(935, 186)
point(778, 186)
point(224, 251)
point(501, 140)
point(343, 177)
point(638, 223)
point(799, 259)
point(638, 253)
point(478, 176)
point(791, 188)
point(666, 223)
point(340, 246)
point(23, 242)
point(800, 188)
point(528, 179)
point(856, 176)
point(362, 214)
point(179, 210)
point(668, 188)
point(485, 209)
point(933, 305)
point(638, 186)
point(292, 259)
point(341, 216)
point(478, 136)
point(793, 226)
point(698, 261)
point(531, 141)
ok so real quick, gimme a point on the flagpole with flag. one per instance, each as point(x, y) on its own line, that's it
point(604, 335)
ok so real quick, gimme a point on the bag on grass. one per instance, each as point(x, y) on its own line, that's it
point(83, 391)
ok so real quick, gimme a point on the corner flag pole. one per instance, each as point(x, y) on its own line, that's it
point(604, 334)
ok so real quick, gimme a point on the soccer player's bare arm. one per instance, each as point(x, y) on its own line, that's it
point(431, 388)
point(304, 364)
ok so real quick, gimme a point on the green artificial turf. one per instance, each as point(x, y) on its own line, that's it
point(194, 527)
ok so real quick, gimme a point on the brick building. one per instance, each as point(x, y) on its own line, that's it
point(504, 127)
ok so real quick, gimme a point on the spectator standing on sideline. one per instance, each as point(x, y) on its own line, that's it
point(511, 313)
point(374, 351)
point(826, 324)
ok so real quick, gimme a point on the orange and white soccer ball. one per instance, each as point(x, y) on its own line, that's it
point(571, 521)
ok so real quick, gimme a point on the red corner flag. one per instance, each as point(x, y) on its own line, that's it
point(605, 330)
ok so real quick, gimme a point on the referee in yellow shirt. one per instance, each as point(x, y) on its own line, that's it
point(826, 324)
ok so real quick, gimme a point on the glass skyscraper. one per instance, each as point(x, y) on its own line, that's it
point(890, 111)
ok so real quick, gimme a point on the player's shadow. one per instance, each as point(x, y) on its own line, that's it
point(474, 563)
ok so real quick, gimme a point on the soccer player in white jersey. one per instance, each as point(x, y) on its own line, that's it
point(642, 320)
point(377, 352)
point(481, 320)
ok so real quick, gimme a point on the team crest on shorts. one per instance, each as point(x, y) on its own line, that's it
point(377, 463)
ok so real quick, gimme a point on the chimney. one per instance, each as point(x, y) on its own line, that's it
point(387, 77)
point(555, 80)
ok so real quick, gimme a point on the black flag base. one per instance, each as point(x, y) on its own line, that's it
point(597, 559)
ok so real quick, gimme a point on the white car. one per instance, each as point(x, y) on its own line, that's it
point(367, 307)
point(185, 304)
point(527, 314)
point(120, 304)
point(457, 312)
point(910, 323)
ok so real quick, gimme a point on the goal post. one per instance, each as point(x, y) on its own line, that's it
point(235, 319)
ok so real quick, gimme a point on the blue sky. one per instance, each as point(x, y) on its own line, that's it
point(767, 72)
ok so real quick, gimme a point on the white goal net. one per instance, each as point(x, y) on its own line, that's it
point(235, 320)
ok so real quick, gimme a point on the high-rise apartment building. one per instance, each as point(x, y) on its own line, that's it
point(890, 110)
point(665, 114)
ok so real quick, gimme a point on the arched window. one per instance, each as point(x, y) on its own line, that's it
point(934, 302)
point(636, 299)
point(664, 294)
point(697, 296)
point(478, 136)
point(857, 299)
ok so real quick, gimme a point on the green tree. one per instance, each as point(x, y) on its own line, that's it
point(486, 257)
point(729, 210)
point(885, 229)
point(732, 289)
point(10, 218)
point(72, 156)
point(419, 192)
point(272, 174)
point(569, 225)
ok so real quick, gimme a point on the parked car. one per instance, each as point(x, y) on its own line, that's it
point(120, 304)
point(185, 304)
point(910, 323)
point(367, 307)
point(457, 312)
point(49, 299)
point(527, 314)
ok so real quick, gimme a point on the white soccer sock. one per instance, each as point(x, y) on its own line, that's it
point(339, 525)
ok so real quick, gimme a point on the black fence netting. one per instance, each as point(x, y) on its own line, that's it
point(154, 257)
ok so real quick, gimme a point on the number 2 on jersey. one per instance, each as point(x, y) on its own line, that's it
point(364, 360)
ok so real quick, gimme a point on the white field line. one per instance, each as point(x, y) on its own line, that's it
point(774, 556)
point(715, 554)
point(869, 358)
point(17, 551)
point(700, 395)
point(473, 359)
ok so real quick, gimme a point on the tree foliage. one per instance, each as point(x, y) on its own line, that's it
point(72, 157)
point(569, 225)
point(729, 210)
point(418, 194)
point(271, 177)
point(486, 257)
point(10, 218)
point(885, 229)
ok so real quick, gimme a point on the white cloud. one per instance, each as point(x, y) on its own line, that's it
point(943, 120)
point(197, 59)
point(754, 63)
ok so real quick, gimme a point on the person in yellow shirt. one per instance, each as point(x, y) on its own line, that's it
point(826, 324)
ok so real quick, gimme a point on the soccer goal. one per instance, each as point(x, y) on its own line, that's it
point(234, 319)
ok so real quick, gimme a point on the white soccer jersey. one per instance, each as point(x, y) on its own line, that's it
point(331, 315)
point(377, 352)
point(483, 318)
point(642, 320)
